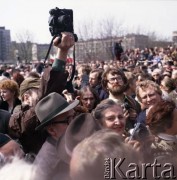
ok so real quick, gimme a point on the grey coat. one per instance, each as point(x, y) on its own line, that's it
point(49, 164)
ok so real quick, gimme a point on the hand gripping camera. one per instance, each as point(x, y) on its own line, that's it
point(61, 20)
point(140, 132)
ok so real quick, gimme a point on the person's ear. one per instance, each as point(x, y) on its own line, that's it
point(26, 97)
point(51, 130)
point(78, 98)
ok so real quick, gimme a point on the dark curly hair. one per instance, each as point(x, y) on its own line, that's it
point(113, 71)
point(160, 117)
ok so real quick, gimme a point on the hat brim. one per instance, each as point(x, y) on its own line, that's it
point(4, 139)
point(81, 127)
point(68, 108)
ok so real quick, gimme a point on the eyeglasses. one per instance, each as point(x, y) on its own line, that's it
point(112, 80)
point(65, 121)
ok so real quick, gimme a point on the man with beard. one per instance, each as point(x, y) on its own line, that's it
point(115, 83)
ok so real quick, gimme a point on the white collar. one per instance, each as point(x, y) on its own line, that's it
point(167, 137)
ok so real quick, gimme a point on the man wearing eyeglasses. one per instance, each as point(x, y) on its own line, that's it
point(115, 83)
point(54, 114)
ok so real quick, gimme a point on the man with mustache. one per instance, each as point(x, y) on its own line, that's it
point(115, 83)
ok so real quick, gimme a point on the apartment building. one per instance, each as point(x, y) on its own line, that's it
point(174, 37)
point(5, 42)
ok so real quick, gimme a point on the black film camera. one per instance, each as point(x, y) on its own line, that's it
point(140, 132)
point(61, 20)
point(126, 106)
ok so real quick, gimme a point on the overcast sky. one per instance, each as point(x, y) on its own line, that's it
point(32, 15)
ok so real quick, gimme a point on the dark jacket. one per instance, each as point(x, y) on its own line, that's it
point(142, 117)
point(22, 126)
point(4, 105)
point(4, 121)
point(53, 80)
point(101, 92)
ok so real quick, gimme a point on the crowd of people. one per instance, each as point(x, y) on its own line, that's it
point(60, 121)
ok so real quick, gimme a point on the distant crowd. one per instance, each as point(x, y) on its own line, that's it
point(65, 120)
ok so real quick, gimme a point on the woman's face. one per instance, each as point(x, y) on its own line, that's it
point(7, 94)
point(113, 118)
point(88, 100)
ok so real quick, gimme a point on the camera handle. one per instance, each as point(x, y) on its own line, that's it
point(59, 41)
point(46, 57)
point(75, 37)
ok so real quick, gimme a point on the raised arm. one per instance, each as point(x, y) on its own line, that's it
point(54, 78)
